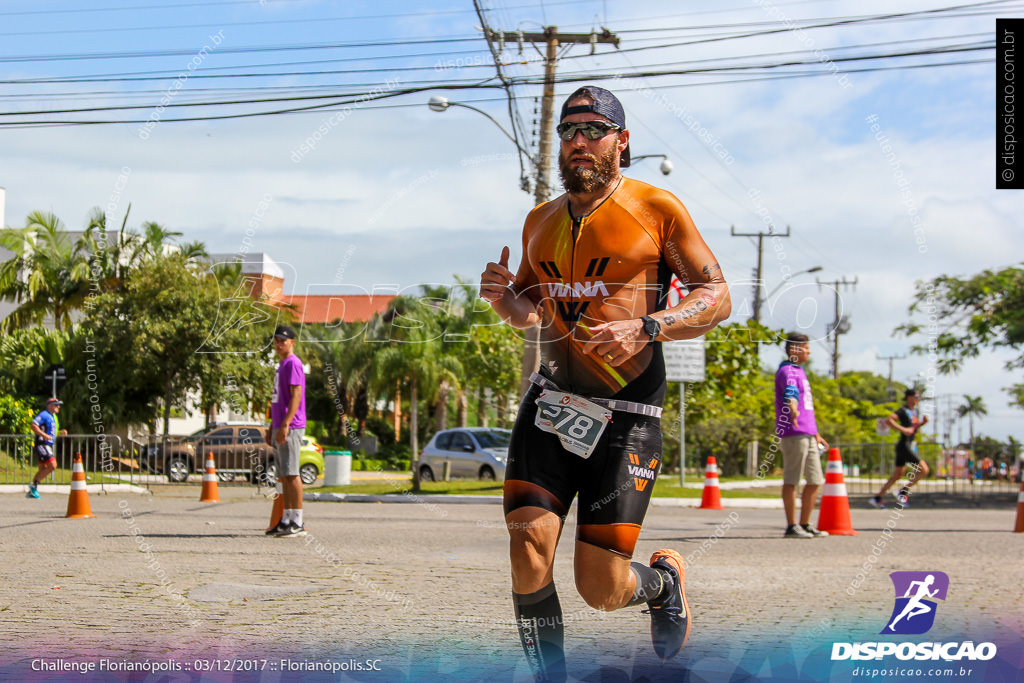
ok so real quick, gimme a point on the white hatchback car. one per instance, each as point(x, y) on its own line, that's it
point(473, 452)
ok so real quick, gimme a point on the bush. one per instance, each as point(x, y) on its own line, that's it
point(382, 429)
point(15, 416)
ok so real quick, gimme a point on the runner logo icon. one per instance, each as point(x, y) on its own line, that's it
point(916, 595)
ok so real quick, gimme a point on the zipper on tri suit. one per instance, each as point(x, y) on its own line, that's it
point(577, 228)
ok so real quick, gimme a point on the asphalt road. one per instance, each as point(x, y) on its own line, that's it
point(420, 591)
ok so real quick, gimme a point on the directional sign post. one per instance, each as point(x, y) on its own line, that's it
point(684, 362)
point(56, 377)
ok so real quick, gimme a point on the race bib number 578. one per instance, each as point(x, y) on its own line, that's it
point(577, 422)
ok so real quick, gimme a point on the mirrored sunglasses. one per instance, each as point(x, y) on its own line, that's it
point(592, 130)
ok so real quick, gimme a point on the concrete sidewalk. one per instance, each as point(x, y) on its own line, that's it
point(163, 575)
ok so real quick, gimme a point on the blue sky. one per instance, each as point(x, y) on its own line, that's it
point(400, 195)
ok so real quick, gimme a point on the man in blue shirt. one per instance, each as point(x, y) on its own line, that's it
point(44, 426)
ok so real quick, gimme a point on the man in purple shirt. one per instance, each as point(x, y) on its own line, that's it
point(799, 439)
point(287, 427)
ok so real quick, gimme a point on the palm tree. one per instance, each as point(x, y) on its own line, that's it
point(47, 276)
point(347, 359)
point(414, 356)
point(974, 405)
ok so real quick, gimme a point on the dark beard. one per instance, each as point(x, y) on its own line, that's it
point(579, 180)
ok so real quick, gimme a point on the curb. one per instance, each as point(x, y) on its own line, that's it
point(65, 489)
point(764, 503)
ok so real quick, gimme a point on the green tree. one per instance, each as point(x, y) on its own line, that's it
point(413, 357)
point(156, 344)
point(48, 275)
point(733, 406)
point(487, 349)
point(343, 359)
point(24, 356)
point(15, 415)
point(965, 315)
point(860, 385)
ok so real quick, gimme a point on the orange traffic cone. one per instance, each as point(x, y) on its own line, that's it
point(78, 500)
point(1019, 526)
point(278, 510)
point(834, 512)
point(711, 499)
point(209, 493)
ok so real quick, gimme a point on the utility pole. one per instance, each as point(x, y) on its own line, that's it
point(892, 394)
point(552, 39)
point(841, 325)
point(760, 249)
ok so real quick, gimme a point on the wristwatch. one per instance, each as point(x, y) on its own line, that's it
point(652, 327)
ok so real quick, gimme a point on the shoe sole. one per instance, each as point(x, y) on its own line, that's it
point(680, 566)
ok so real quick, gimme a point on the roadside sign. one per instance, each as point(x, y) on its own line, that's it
point(684, 360)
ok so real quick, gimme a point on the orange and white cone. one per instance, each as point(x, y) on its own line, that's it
point(278, 510)
point(78, 500)
point(1019, 526)
point(711, 499)
point(834, 512)
point(209, 493)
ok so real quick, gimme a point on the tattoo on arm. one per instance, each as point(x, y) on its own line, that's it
point(709, 269)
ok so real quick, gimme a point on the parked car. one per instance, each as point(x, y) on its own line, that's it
point(238, 450)
point(311, 463)
point(477, 452)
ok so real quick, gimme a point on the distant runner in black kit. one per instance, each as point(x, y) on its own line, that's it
point(907, 420)
point(594, 275)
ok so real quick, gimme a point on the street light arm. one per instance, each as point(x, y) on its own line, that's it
point(779, 286)
point(439, 104)
point(666, 164)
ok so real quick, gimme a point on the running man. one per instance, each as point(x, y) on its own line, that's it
point(914, 606)
point(44, 426)
point(907, 420)
point(594, 275)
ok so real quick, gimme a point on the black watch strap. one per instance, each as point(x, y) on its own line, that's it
point(651, 327)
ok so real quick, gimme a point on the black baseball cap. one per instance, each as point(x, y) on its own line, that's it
point(605, 104)
point(284, 332)
point(910, 392)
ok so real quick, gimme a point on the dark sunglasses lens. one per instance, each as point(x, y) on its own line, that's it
point(594, 130)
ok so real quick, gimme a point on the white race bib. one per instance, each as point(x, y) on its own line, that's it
point(577, 422)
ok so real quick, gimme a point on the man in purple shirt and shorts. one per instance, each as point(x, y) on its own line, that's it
point(287, 427)
point(799, 438)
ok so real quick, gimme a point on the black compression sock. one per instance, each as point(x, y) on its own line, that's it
point(650, 584)
point(539, 617)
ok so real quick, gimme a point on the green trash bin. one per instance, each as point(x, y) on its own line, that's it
point(337, 468)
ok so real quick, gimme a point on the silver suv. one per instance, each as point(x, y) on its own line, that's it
point(473, 452)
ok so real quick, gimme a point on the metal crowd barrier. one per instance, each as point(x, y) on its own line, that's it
point(105, 458)
point(867, 466)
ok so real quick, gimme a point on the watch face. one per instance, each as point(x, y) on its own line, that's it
point(651, 327)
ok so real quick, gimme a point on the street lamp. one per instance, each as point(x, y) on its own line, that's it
point(815, 269)
point(440, 103)
point(666, 165)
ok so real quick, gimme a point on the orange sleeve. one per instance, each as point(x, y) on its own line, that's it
point(683, 248)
